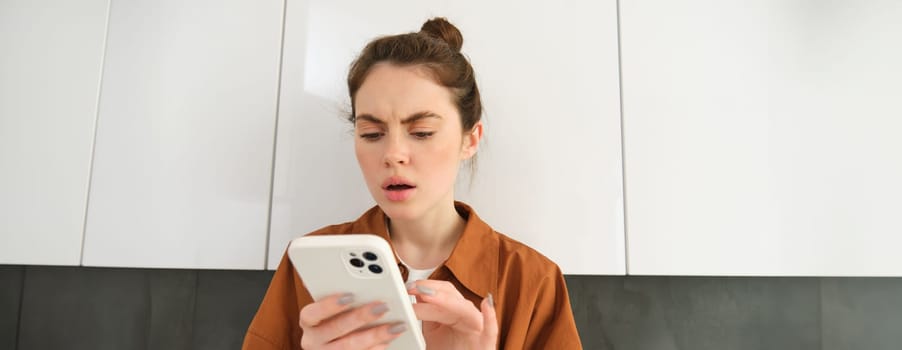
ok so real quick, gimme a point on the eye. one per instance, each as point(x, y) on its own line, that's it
point(372, 136)
point(422, 135)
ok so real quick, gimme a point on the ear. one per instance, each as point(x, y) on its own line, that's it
point(470, 142)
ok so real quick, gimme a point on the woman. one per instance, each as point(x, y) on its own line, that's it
point(416, 113)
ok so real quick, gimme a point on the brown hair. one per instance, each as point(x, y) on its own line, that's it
point(437, 48)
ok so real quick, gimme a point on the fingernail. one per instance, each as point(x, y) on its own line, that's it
point(398, 328)
point(426, 290)
point(346, 299)
point(379, 309)
point(491, 300)
point(410, 284)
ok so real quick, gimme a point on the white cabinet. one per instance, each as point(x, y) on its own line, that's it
point(49, 77)
point(549, 173)
point(763, 137)
point(183, 157)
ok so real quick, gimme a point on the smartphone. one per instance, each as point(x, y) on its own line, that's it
point(362, 264)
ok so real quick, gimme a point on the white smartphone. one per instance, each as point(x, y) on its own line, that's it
point(362, 264)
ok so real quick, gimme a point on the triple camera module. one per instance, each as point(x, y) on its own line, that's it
point(369, 260)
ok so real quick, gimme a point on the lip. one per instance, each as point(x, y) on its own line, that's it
point(398, 195)
point(396, 180)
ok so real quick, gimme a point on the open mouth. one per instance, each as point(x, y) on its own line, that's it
point(397, 183)
point(399, 187)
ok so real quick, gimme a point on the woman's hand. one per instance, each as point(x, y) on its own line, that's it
point(450, 321)
point(332, 323)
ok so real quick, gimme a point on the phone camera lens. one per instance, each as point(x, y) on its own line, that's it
point(375, 268)
point(357, 262)
point(369, 256)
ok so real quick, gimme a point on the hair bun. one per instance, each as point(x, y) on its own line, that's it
point(441, 29)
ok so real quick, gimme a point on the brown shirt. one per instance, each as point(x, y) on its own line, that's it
point(530, 295)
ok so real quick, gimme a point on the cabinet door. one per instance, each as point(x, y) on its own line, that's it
point(762, 137)
point(49, 78)
point(549, 171)
point(183, 158)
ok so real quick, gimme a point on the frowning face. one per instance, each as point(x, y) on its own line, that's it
point(409, 140)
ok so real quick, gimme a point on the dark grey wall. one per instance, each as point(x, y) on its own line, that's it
point(44, 307)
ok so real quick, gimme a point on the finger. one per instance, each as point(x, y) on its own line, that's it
point(314, 313)
point(446, 306)
point(435, 313)
point(434, 287)
point(489, 322)
point(346, 323)
point(371, 338)
point(440, 291)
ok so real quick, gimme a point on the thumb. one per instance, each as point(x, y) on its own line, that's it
point(489, 323)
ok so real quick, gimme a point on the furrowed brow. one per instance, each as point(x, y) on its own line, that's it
point(420, 115)
point(370, 119)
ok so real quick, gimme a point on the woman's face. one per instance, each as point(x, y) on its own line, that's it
point(409, 141)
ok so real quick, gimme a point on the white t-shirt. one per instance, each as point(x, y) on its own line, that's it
point(414, 275)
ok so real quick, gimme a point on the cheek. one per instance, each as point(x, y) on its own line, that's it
point(367, 158)
point(443, 161)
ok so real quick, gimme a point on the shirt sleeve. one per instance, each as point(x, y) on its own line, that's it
point(275, 326)
point(552, 325)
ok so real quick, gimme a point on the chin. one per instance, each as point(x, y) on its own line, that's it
point(401, 211)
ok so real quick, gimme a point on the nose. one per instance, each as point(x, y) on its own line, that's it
point(396, 152)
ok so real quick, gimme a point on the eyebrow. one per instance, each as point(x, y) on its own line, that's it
point(412, 118)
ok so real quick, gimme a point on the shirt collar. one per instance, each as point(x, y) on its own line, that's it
point(474, 260)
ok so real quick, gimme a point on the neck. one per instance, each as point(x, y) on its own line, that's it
point(426, 242)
